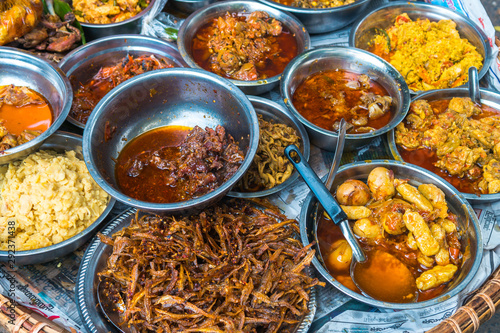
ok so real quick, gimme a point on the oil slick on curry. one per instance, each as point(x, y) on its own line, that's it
point(24, 115)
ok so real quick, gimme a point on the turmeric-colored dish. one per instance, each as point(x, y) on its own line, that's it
point(410, 225)
point(456, 139)
point(107, 11)
point(429, 55)
point(315, 3)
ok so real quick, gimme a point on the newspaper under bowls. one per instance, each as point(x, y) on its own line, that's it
point(457, 204)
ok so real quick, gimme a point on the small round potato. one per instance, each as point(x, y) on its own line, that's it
point(381, 183)
point(353, 193)
point(367, 228)
point(340, 256)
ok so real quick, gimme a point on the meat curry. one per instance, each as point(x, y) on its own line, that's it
point(244, 46)
point(456, 139)
point(326, 97)
point(412, 224)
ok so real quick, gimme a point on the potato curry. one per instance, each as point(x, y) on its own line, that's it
point(429, 55)
point(244, 47)
point(24, 115)
point(326, 97)
point(392, 216)
point(456, 139)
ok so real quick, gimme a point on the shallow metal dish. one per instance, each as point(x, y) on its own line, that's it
point(189, 6)
point(21, 68)
point(81, 64)
point(60, 142)
point(130, 26)
point(362, 31)
point(273, 111)
point(488, 97)
point(320, 20)
point(175, 96)
point(354, 60)
point(205, 15)
point(456, 203)
point(94, 261)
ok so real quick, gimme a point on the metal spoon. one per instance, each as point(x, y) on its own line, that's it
point(325, 198)
point(113, 311)
point(474, 92)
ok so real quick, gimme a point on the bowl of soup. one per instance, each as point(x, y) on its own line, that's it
point(326, 84)
point(35, 99)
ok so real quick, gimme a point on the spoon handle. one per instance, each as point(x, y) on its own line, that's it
point(325, 198)
point(474, 93)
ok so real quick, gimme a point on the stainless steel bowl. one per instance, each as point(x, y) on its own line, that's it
point(322, 20)
point(182, 96)
point(488, 97)
point(363, 31)
point(189, 6)
point(205, 15)
point(94, 261)
point(457, 204)
point(60, 142)
point(273, 111)
point(353, 60)
point(20, 68)
point(81, 64)
point(130, 26)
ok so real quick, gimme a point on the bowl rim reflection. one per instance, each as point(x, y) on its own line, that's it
point(443, 11)
point(221, 6)
point(441, 183)
point(193, 74)
point(331, 51)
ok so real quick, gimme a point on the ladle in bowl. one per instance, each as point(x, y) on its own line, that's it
point(369, 271)
point(474, 92)
point(112, 309)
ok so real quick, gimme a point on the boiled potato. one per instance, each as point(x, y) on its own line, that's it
point(340, 256)
point(353, 193)
point(367, 228)
point(380, 182)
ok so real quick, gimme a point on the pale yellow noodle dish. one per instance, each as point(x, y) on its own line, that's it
point(45, 199)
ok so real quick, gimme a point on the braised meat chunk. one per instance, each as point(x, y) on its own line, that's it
point(181, 163)
point(244, 47)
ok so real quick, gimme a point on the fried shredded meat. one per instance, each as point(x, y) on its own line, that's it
point(270, 167)
point(231, 268)
point(315, 3)
point(88, 94)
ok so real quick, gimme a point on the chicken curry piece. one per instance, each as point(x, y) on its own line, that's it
point(389, 215)
point(429, 55)
point(24, 115)
point(456, 139)
point(244, 47)
point(326, 97)
point(18, 17)
point(107, 11)
point(315, 3)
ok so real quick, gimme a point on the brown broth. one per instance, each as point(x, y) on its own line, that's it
point(308, 100)
point(150, 184)
point(271, 67)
